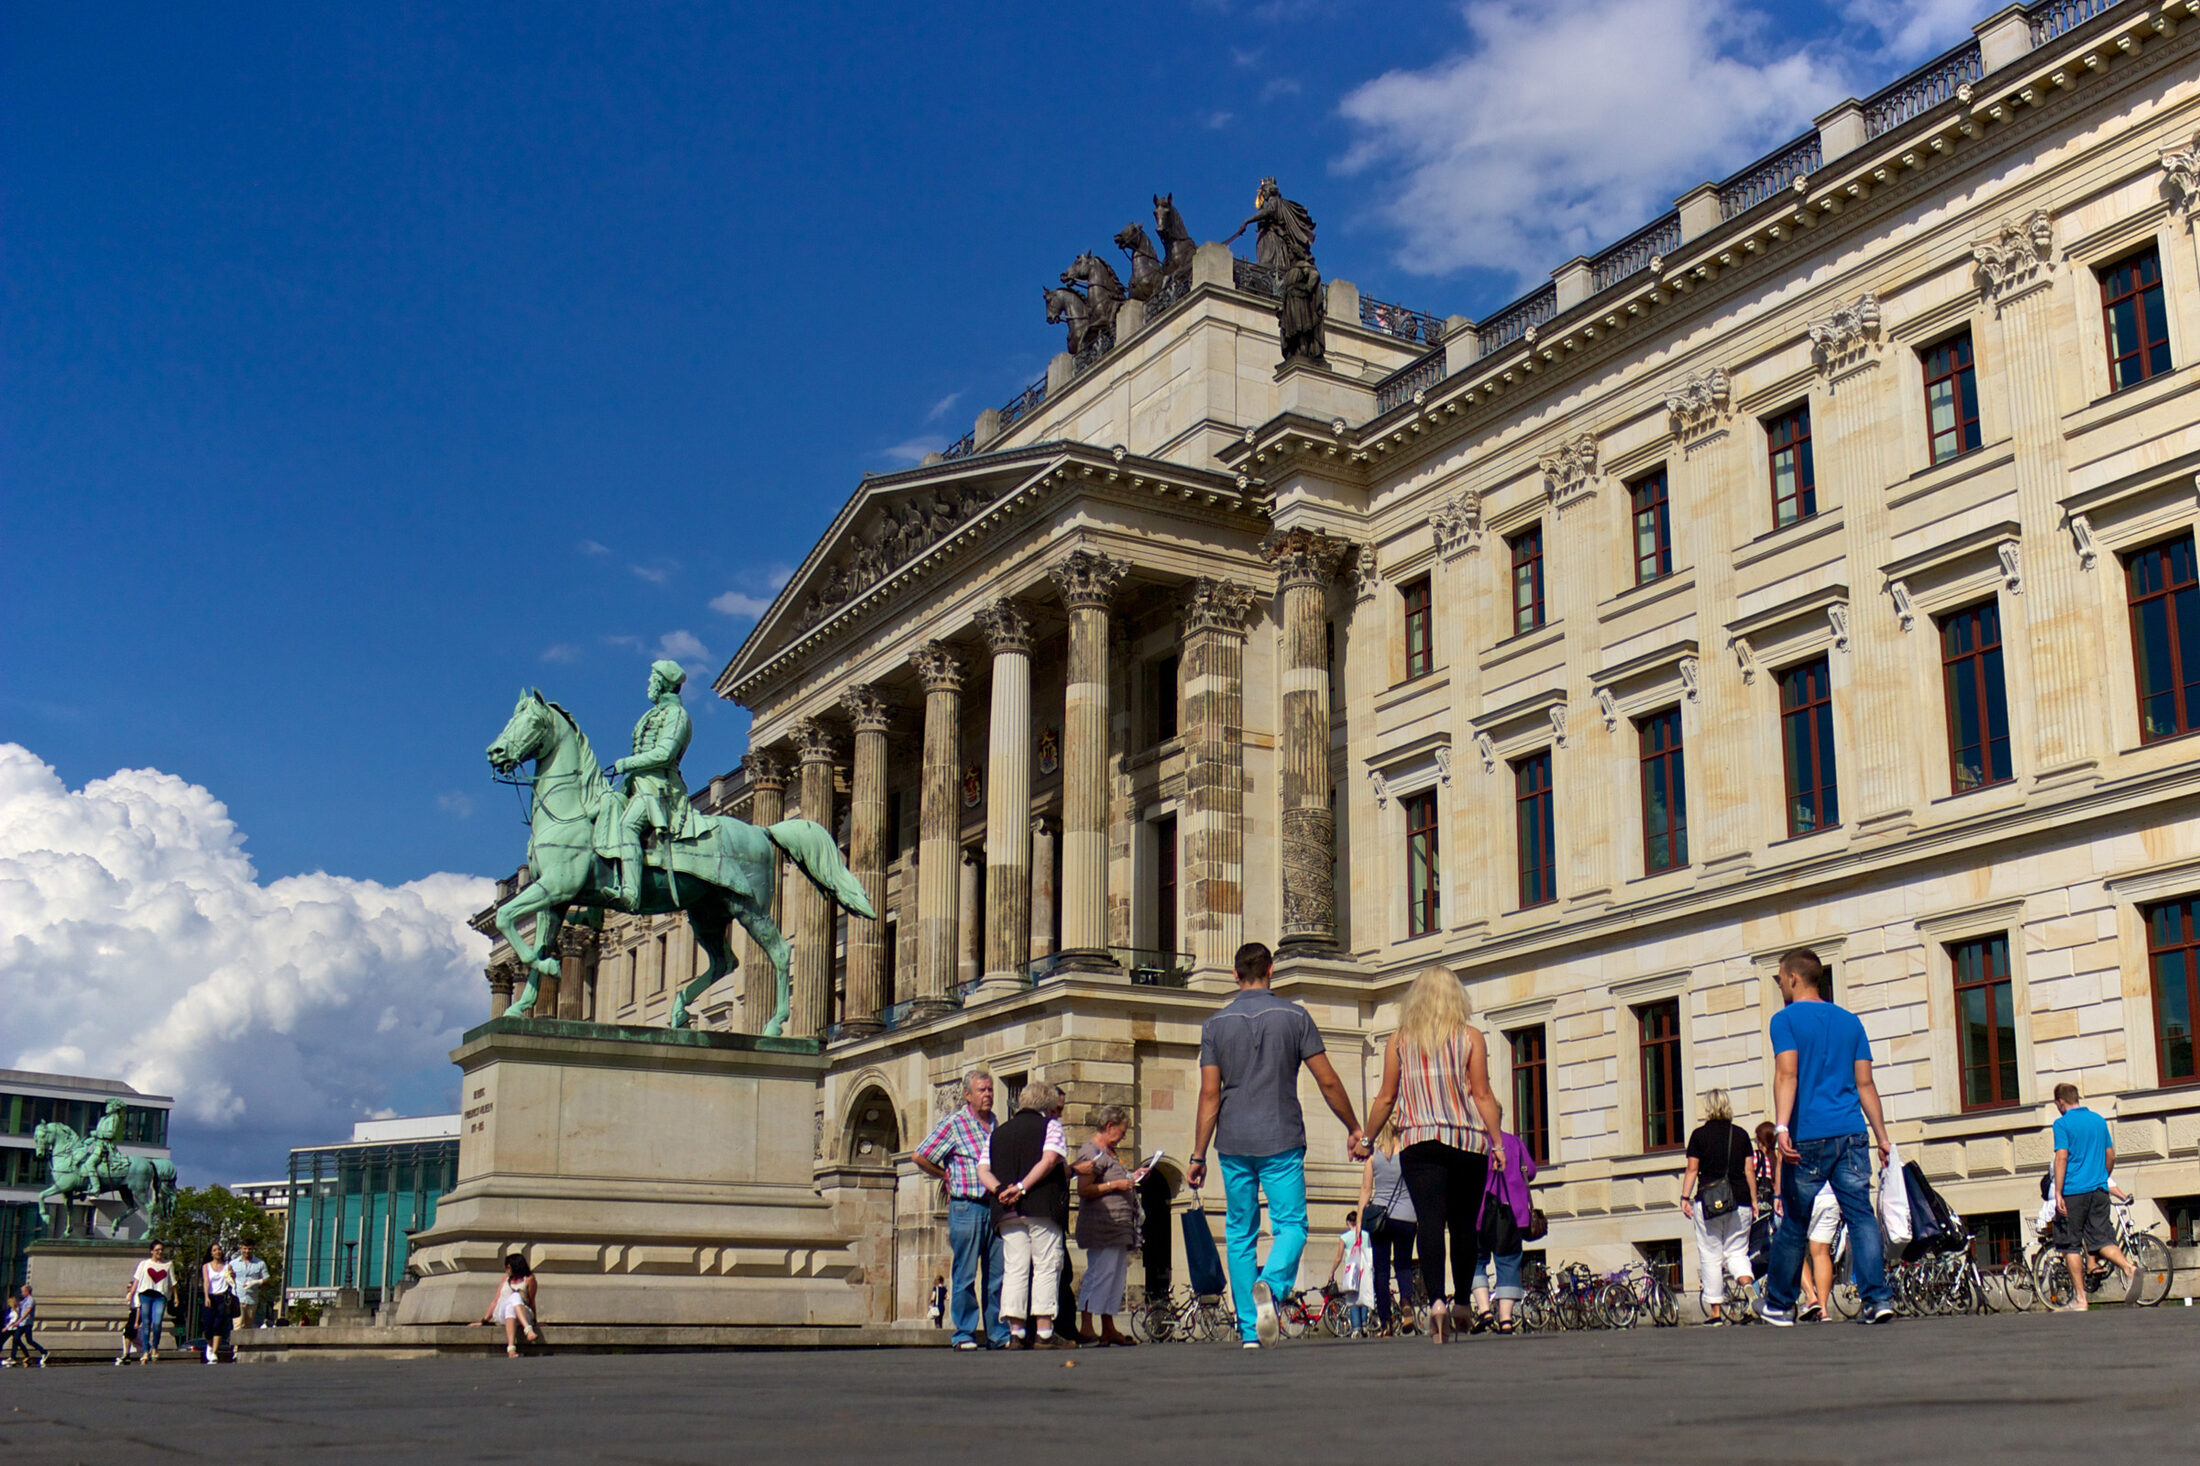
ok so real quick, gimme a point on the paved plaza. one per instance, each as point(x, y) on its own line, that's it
point(2114, 1387)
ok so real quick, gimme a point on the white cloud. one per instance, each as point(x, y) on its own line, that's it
point(456, 803)
point(591, 547)
point(631, 643)
point(1567, 124)
point(682, 647)
point(1217, 120)
point(912, 450)
point(137, 942)
point(562, 651)
point(657, 573)
point(943, 407)
point(739, 603)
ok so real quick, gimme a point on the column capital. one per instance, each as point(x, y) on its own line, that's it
point(868, 708)
point(577, 941)
point(1087, 579)
point(765, 771)
point(1208, 604)
point(938, 667)
point(814, 741)
point(1045, 823)
point(973, 857)
point(1007, 629)
point(1305, 556)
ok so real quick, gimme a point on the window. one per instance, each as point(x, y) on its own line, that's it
point(1978, 702)
point(2173, 955)
point(1534, 830)
point(1664, 793)
point(1986, 1022)
point(1951, 398)
point(1164, 884)
point(2165, 638)
point(2137, 321)
point(890, 957)
point(1531, 1086)
point(1420, 651)
point(1163, 696)
point(1806, 735)
point(893, 849)
point(1658, 1036)
point(1653, 527)
point(1423, 863)
point(1794, 480)
point(659, 969)
point(1997, 1237)
point(1527, 563)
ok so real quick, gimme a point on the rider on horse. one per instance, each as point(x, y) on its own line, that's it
point(100, 1155)
point(656, 795)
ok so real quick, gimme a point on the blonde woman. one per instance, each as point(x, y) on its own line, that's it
point(1436, 1076)
point(1719, 1194)
point(1387, 1215)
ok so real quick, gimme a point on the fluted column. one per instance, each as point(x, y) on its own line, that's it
point(871, 714)
point(969, 921)
point(1306, 562)
point(1045, 829)
point(1008, 796)
point(502, 975)
point(767, 806)
point(812, 913)
point(1214, 615)
point(1087, 582)
point(577, 968)
point(937, 803)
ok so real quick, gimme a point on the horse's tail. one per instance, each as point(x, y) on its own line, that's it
point(810, 846)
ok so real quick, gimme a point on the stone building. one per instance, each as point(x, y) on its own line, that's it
point(1814, 567)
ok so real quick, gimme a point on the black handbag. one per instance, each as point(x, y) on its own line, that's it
point(1500, 1228)
point(1716, 1198)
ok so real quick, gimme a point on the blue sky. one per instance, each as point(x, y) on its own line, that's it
point(362, 365)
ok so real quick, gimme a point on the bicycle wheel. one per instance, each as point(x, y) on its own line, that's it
point(2052, 1279)
point(1618, 1307)
point(1571, 1312)
point(2016, 1285)
point(1292, 1319)
point(1535, 1314)
point(1336, 1319)
point(2152, 1255)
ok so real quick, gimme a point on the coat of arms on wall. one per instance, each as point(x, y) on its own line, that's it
point(973, 787)
point(1050, 750)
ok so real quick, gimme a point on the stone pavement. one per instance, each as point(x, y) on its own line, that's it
point(2115, 1387)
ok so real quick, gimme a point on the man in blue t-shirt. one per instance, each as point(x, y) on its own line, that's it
point(1823, 1097)
point(2084, 1155)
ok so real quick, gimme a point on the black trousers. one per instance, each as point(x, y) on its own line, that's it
point(1393, 1259)
point(1447, 1185)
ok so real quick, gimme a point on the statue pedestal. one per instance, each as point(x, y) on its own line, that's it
point(652, 1177)
point(80, 1285)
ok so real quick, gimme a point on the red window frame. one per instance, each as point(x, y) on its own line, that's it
point(2173, 964)
point(1534, 831)
point(1788, 436)
point(2138, 348)
point(1949, 367)
point(1527, 569)
point(1972, 677)
point(1663, 769)
point(1531, 1089)
point(2163, 588)
point(1424, 863)
point(1653, 521)
point(1986, 1066)
point(1420, 639)
point(1658, 1047)
point(1806, 744)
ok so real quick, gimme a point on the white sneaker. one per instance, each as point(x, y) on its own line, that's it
point(1264, 1313)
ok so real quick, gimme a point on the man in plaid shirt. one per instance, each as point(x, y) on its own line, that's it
point(953, 1152)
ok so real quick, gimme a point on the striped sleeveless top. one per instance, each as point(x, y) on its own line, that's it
point(1433, 1101)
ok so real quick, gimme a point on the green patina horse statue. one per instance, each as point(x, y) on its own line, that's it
point(725, 873)
point(81, 1169)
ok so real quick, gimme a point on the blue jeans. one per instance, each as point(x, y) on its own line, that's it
point(151, 1309)
point(970, 1233)
point(1844, 1163)
point(1505, 1268)
point(1245, 1180)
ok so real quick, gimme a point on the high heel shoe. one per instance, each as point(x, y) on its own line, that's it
point(1439, 1322)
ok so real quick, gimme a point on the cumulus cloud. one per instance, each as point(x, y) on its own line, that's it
point(740, 603)
point(138, 942)
point(685, 648)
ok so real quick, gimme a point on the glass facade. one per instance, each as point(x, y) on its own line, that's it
point(354, 1207)
point(22, 1114)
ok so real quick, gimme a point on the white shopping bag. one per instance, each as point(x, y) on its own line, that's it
point(1894, 1202)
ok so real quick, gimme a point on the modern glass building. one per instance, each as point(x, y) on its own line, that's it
point(28, 1100)
point(355, 1206)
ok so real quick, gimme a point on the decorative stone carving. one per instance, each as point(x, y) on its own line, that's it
point(1745, 657)
point(2012, 571)
point(1309, 870)
point(1087, 580)
point(1691, 674)
point(867, 708)
point(1007, 630)
point(1457, 523)
point(2016, 256)
point(1305, 556)
point(1847, 336)
point(1443, 764)
point(1215, 605)
point(2182, 170)
point(1558, 724)
point(899, 534)
point(814, 742)
point(947, 1097)
point(1367, 576)
point(937, 666)
point(1486, 748)
point(2081, 534)
point(1837, 617)
point(1905, 609)
point(1699, 404)
point(1569, 469)
point(764, 771)
point(1608, 709)
point(1381, 786)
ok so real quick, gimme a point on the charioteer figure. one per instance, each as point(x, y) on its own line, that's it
point(656, 794)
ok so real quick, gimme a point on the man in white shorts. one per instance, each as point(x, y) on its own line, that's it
point(1825, 1241)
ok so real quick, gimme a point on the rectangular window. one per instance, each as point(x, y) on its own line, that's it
point(1806, 736)
point(2173, 955)
point(1997, 1237)
point(1653, 527)
point(1424, 865)
point(1951, 398)
point(631, 988)
point(1420, 647)
point(1534, 830)
point(1164, 884)
point(893, 848)
point(1658, 1039)
point(2136, 318)
point(1978, 700)
point(657, 972)
point(1986, 1022)
point(1527, 567)
point(1531, 1087)
point(2165, 637)
point(1664, 793)
point(1164, 700)
point(1794, 479)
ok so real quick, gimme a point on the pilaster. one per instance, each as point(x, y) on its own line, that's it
point(1214, 614)
point(1307, 562)
point(1087, 583)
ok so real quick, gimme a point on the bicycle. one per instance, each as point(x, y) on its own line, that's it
point(1310, 1309)
point(1183, 1317)
point(2147, 1252)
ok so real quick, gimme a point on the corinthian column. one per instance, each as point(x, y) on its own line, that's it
point(1214, 614)
point(937, 878)
point(767, 806)
point(577, 970)
point(501, 977)
point(1087, 583)
point(1008, 796)
point(867, 978)
point(1306, 562)
point(812, 913)
point(1044, 829)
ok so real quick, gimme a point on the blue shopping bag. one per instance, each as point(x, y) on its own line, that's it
point(1201, 1257)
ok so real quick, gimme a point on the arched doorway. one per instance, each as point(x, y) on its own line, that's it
point(1155, 1195)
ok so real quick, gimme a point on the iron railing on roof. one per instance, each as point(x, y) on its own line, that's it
point(1769, 176)
point(1256, 279)
point(1401, 321)
point(1024, 403)
point(1174, 287)
point(1414, 376)
point(1633, 254)
point(2052, 17)
point(1511, 323)
point(962, 447)
point(1922, 90)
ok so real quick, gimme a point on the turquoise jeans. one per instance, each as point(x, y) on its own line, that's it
point(1245, 1180)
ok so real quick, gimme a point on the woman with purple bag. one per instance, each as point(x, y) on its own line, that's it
point(1506, 1208)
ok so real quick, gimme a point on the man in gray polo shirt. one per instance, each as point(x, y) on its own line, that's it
point(1249, 1057)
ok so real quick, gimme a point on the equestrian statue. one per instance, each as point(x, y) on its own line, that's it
point(646, 850)
point(83, 1168)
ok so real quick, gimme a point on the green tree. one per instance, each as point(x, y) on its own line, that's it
point(205, 1215)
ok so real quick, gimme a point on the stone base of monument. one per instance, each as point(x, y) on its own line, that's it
point(657, 1181)
point(80, 1284)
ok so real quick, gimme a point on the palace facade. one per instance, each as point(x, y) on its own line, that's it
point(1814, 567)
